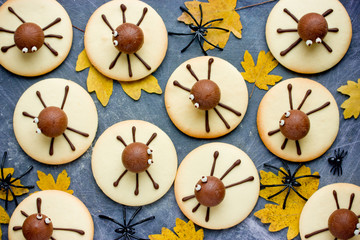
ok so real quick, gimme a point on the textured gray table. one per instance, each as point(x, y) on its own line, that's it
point(151, 108)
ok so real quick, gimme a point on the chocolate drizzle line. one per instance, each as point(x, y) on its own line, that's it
point(196, 207)
point(273, 132)
point(207, 214)
point(327, 12)
point(142, 61)
point(319, 108)
point(298, 149)
point(51, 150)
point(153, 136)
point(123, 9)
point(283, 53)
point(291, 15)
point(236, 163)
point(65, 96)
point(336, 199)
point(121, 140)
point(308, 92)
point(57, 20)
point(129, 65)
point(40, 98)
point(116, 183)
point(207, 125)
point(69, 142)
point(237, 113)
point(211, 60)
point(249, 179)
point(142, 17)
point(188, 198)
point(112, 64)
point(216, 155)
point(5, 30)
point(5, 48)
point(289, 87)
point(107, 22)
point(137, 185)
point(188, 67)
point(13, 12)
point(177, 84)
point(222, 118)
point(53, 51)
point(351, 200)
point(156, 186)
point(316, 232)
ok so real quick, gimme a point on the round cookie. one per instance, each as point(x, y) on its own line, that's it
point(64, 129)
point(206, 109)
point(126, 40)
point(294, 134)
point(321, 213)
point(229, 186)
point(44, 214)
point(134, 162)
point(328, 27)
point(43, 24)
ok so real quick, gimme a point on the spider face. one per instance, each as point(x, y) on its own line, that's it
point(205, 94)
point(294, 124)
point(209, 191)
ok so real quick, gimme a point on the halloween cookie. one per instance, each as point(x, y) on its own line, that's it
point(308, 36)
point(51, 214)
point(134, 162)
point(298, 119)
point(332, 212)
point(55, 121)
point(36, 36)
point(217, 186)
point(126, 40)
point(206, 97)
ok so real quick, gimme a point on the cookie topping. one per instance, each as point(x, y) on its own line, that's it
point(29, 37)
point(129, 38)
point(211, 193)
point(135, 157)
point(342, 223)
point(296, 126)
point(52, 121)
point(206, 93)
point(312, 27)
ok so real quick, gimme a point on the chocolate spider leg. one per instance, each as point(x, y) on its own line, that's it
point(116, 183)
point(222, 118)
point(53, 36)
point(57, 20)
point(210, 62)
point(207, 214)
point(133, 129)
point(333, 29)
point(142, 61)
point(286, 197)
point(51, 149)
point(2, 165)
point(188, 67)
point(136, 192)
point(142, 16)
point(280, 30)
point(326, 46)
point(273, 132)
point(207, 124)
point(249, 179)
point(81, 232)
point(298, 149)
point(24, 213)
point(316, 232)
point(26, 114)
point(284, 143)
point(237, 113)
point(38, 94)
point(107, 23)
point(177, 84)
point(6, 30)
point(123, 9)
point(69, 142)
point(319, 108)
point(153, 136)
point(156, 186)
point(327, 12)
point(289, 87)
point(17, 228)
point(13, 12)
point(5, 48)
point(192, 16)
point(65, 97)
point(291, 15)
point(53, 51)
point(129, 65)
point(199, 37)
point(276, 168)
point(78, 132)
point(216, 155)
point(196, 207)
point(236, 163)
point(121, 140)
point(112, 64)
point(307, 94)
point(336, 199)
point(184, 199)
point(351, 200)
point(284, 52)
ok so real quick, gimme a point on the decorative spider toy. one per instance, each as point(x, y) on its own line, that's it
point(127, 229)
point(128, 38)
point(137, 158)
point(200, 30)
point(210, 190)
point(7, 183)
point(39, 226)
point(336, 161)
point(52, 122)
point(29, 37)
point(295, 124)
point(289, 181)
point(343, 223)
point(205, 95)
point(312, 27)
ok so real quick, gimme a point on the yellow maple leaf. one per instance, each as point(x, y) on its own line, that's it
point(4, 218)
point(215, 9)
point(148, 84)
point(351, 105)
point(259, 74)
point(278, 217)
point(47, 182)
point(15, 190)
point(184, 231)
point(103, 86)
point(82, 62)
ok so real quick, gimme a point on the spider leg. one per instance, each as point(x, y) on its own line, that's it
point(298, 193)
point(124, 215)
point(13, 12)
point(134, 215)
point(192, 16)
point(188, 198)
point(129, 65)
point(153, 136)
point(218, 28)
point(195, 208)
point(201, 14)
point(69, 142)
point(207, 214)
point(107, 22)
point(319, 108)
point(142, 61)
point(298, 149)
point(273, 132)
point(123, 9)
point(316, 232)
point(116, 183)
point(326, 46)
point(284, 52)
point(274, 185)
point(6, 199)
point(53, 36)
point(237, 113)
point(333, 169)
point(121, 140)
point(340, 170)
point(111, 219)
point(351, 200)
point(210, 43)
point(15, 186)
point(286, 197)
point(53, 51)
point(280, 30)
point(327, 12)
point(2, 165)
point(51, 149)
point(12, 193)
point(5, 48)
point(211, 21)
point(297, 169)
point(314, 176)
point(57, 20)
point(177, 84)
point(291, 15)
point(333, 29)
point(222, 118)
point(112, 64)
point(276, 168)
point(286, 168)
point(199, 36)
point(65, 97)
point(78, 132)
point(174, 33)
point(307, 94)
point(186, 47)
point(136, 192)
point(236, 163)
point(133, 130)
point(274, 195)
point(207, 125)
point(6, 30)
point(284, 144)
point(142, 221)
point(142, 16)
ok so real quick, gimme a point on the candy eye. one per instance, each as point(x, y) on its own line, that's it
point(282, 122)
point(318, 40)
point(25, 50)
point(116, 43)
point(287, 114)
point(34, 49)
point(115, 34)
point(149, 151)
point(309, 42)
point(38, 131)
point(47, 220)
point(36, 120)
point(191, 97)
point(197, 187)
point(150, 161)
point(204, 179)
point(39, 216)
point(196, 105)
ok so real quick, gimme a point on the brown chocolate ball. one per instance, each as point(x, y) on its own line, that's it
point(312, 26)
point(130, 38)
point(206, 93)
point(29, 35)
point(296, 125)
point(52, 121)
point(36, 229)
point(135, 157)
point(342, 223)
point(212, 192)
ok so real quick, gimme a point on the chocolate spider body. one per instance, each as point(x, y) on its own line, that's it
point(336, 161)
point(29, 37)
point(205, 95)
point(199, 31)
point(137, 158)
point(210, 190)
point(312, 27)
point(295, 124)
point(38, 226)
point(6, 183)
point(53, 122)
point(289, 181)
point(127, 38)
point(127, 229)
point(342, 223)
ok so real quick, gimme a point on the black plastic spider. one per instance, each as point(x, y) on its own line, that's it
point(6, 183)
point(289, 181)
point(200, 30)
point(127, 229)
point(337, 161)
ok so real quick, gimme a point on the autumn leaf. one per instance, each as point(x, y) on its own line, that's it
point(47, 182)
point(259, 74)
point(15, 190)
point(278, 217)
point(215, 9)
point(148, 84)
point(4, 218)
point(351, 105)
point(183, 230)
point(102, 85)
point(82, 62)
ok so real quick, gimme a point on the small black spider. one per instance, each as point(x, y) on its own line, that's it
point(337, 161)
point(200, 30)
point(127, 229)
point(289, 181)
point(6, 183)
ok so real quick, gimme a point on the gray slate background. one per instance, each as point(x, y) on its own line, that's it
point(151, 108)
